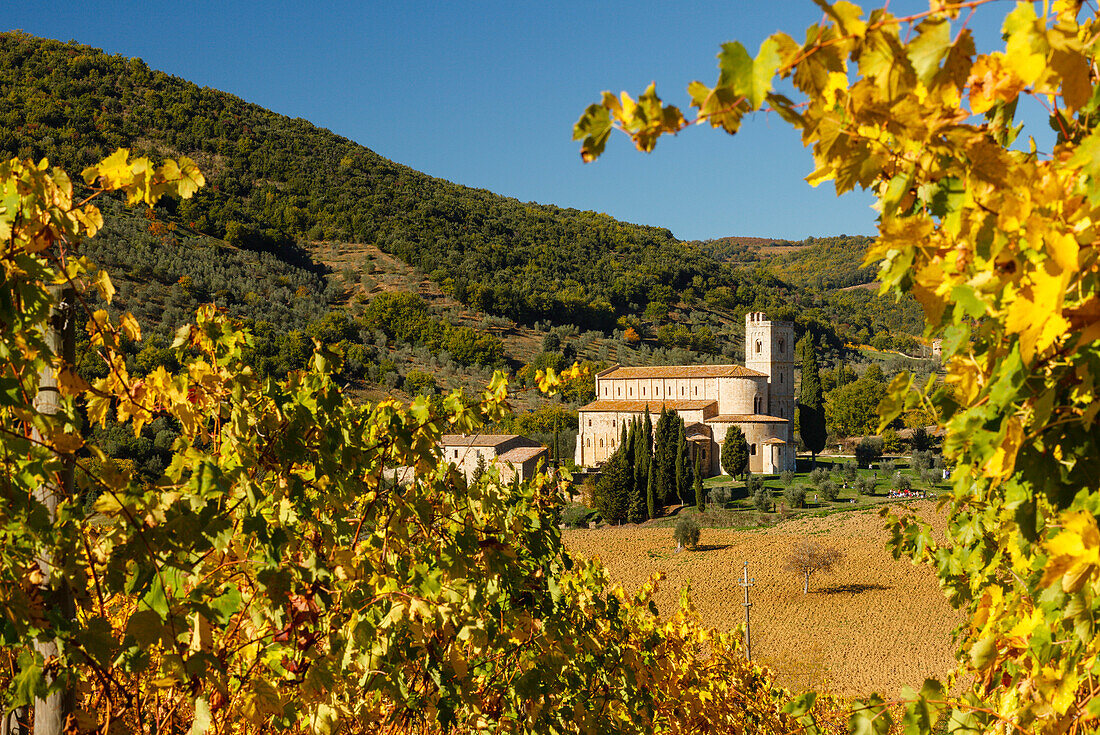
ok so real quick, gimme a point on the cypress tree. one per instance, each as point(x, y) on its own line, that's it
point(683, 478)
point(811, 402)
point(664, 456)
point(637, 510)
point(651, 496)
point(611, 500)
point(641, 468)
point(699, 503)
point(627, 447)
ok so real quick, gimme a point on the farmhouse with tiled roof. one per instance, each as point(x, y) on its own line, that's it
point(758, 397)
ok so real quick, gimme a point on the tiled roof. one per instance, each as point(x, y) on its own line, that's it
point(519, 455)
point(475, 440)
point(745, 418)
point(655, 405)
point(681, 371)
point(773, 440)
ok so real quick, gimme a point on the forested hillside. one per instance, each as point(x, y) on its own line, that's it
point(275, 180)
point(828, 272)
point(613, 290)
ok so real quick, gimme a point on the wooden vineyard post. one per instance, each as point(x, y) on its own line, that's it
point(51, 713)
point(746, 583)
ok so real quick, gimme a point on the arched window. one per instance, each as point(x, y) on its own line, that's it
point(759, 346)
point(618, 390)
point(754, 446)
point(781, 346)
point(589, 441)
point(753, 450)
point(643, 391)
point(781, 378)
point(612, 423)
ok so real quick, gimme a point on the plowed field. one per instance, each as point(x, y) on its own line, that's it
point(874, 625)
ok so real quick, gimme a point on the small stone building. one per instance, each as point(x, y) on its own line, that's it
point(514, 455)
point(758, 397)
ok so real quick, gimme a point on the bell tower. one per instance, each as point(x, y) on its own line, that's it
point(769, 348)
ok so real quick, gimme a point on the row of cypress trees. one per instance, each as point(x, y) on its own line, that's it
point(651, 468)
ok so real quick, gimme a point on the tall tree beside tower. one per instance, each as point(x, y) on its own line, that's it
point(811, 401)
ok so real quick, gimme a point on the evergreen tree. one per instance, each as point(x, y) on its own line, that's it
point(683, 472)
point(811, 401)
point(641, 467)
point(735, 451)
point(651, 496)
point(479, 469)
point(611, 490)
point(698, 467)
point(636, 513)
point(664, 456)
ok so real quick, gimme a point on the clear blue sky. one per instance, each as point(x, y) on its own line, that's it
point(485, 94)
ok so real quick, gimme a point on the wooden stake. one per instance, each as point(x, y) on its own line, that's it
point(746, 583)
point(51, 713)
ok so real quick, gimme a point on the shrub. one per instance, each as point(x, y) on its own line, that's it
point(819, 476)
point(850, 471)
point(762, 499)
point(829, 490)
point(902, 482)
point(889, 466)
point(865, 485)
point(921, 460)
point(795, 496)
point(720, 495)
point(868, 450)
point(575, 516)
point(686, 532)
point(786, 477)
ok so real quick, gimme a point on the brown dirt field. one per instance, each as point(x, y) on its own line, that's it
point(874, 625)
point(873, 285)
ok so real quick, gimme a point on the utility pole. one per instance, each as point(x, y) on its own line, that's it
point(746, 583)
point(51, 713)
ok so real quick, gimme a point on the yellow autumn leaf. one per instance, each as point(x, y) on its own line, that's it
point(130, 327)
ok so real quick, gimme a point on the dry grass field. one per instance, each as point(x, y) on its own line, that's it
point(874, 625)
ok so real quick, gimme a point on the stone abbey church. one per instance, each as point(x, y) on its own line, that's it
point(758, 397)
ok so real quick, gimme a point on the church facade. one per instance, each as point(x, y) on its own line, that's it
point(758, 397)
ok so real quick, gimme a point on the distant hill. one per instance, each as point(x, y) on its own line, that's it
point(284, 229)
point(822, 263)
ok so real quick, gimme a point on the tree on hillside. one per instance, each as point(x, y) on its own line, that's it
point(811, 401)
point(735, 451)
